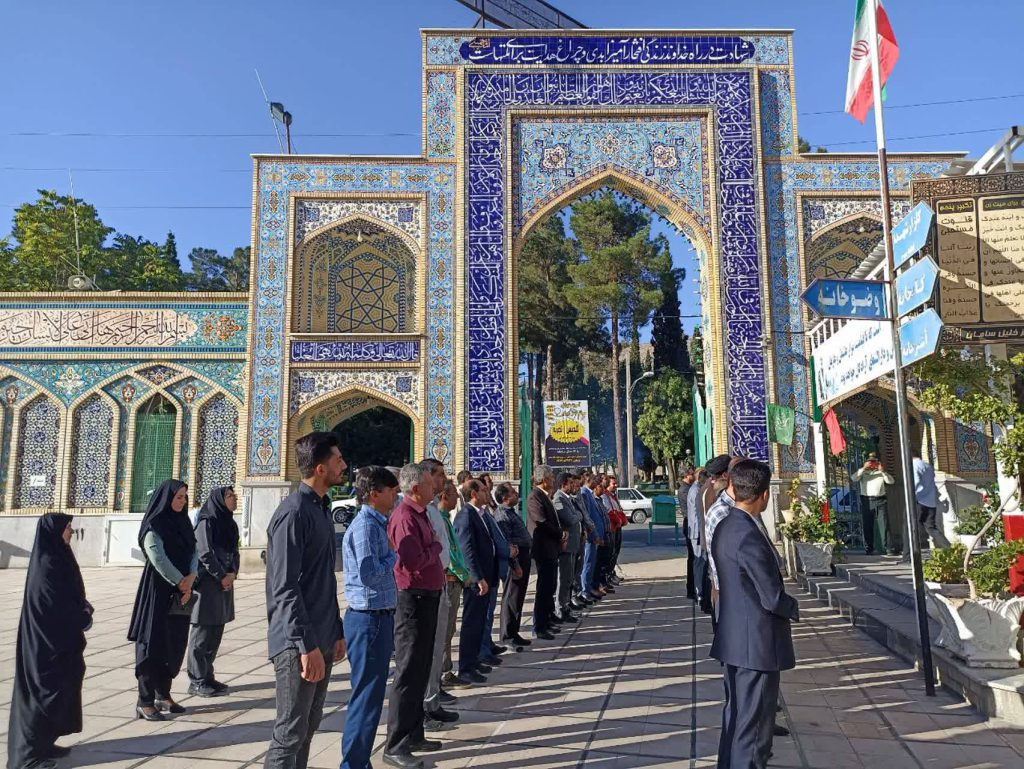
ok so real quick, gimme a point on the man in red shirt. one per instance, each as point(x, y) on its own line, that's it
point(419, 576)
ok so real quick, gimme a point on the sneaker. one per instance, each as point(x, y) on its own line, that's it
point(444, 716)
point(433, 725)
point(450, 679)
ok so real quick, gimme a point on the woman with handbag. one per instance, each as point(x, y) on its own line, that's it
point(163, 603)
point(49, 664)
point(217, 543)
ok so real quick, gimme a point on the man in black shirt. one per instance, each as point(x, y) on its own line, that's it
point(305, 632)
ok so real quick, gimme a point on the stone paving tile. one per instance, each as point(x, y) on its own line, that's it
point(629, 688)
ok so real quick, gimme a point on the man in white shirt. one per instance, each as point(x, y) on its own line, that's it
point(874, 506)
point(927, 495)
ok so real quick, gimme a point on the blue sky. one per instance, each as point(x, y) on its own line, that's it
point(342, 67)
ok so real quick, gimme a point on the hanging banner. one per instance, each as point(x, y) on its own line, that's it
point(566, 434)
point(781, 421)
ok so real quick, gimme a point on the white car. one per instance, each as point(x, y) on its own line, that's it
point(343, 511)
point(638, 507)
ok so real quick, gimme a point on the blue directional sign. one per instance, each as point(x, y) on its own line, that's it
point(915, 286)
point(919, 337)
point(910, 235)
point(858, 299)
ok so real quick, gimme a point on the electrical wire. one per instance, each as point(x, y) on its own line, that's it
point(923, 104)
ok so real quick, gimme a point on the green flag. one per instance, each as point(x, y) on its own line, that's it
point(526, 448)
point(781, 420)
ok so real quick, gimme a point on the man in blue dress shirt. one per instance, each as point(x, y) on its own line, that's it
point(372, 595)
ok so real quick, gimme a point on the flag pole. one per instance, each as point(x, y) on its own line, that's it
point(910, 503)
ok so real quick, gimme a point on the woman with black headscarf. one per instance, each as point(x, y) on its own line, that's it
point(49, 664)
point(217, 540)
point(160, 617)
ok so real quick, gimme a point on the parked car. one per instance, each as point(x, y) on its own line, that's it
point(343, 511)
point(637, 506)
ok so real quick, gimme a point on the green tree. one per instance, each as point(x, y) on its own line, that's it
point(804, 146)
point(213, 271)
point(667, 336)
point(41, 254)
point(137, 264)
point(617, 279)
point(666, 419)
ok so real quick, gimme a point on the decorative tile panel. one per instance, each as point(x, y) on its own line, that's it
point(308, 385)
point(776, 113)
point(35, 484)
point(972, 447)
point(489, 96)
point(313, 215)
point(556, 155)
point(441, 115)
point(218, 447)
point(93, 431)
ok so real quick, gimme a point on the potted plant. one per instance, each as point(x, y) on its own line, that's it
point(971, 520)
point(944, 571)
point(813, 531)
point(983, 628)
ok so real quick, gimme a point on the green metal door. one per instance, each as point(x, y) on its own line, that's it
point(154, 452)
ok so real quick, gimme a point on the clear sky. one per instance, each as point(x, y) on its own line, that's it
point(184, 70)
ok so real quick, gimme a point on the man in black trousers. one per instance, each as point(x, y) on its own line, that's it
point(547, 544)
point(514, 595)
point(754, 639)
point(481, 557)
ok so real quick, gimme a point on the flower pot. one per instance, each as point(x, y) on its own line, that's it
point(982, 632)
point(968, 540)
point(816, 557)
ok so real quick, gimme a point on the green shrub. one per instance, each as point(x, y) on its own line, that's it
point(990, 571)
point(946, 564)
point(809, 524)
point(972, 519)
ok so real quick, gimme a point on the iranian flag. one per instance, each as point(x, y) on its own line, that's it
point(859, 97)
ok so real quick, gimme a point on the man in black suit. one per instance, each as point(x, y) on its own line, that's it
point(547, 545)
point(754, 640)
point(481, 558)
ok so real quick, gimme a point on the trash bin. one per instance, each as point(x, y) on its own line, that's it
point(663, 513)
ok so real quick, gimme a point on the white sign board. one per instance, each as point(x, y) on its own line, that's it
point(860, 352)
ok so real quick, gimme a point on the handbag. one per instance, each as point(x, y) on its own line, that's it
point(179, 609)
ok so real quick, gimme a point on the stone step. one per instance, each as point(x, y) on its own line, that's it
point(878, 605)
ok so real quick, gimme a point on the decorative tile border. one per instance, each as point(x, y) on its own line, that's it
point(356, 352)
point(489, 96)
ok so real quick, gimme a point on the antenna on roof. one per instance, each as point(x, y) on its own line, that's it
point(77, 281)
point(278, 114)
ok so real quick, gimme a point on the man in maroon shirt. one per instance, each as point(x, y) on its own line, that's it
point(420, 579)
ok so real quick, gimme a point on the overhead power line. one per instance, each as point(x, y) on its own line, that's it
point(925, 104)
point(130, 135)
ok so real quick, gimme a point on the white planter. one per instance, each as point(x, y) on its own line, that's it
point(983, 632)
point(968, 540)
point(816, 557)
point(788, 516)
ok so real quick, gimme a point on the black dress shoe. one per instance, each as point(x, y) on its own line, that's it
point(473, 677)
point(518, 640)
point(426, 746)
point(483, 668)
point(206, 690)
point(444, 716)
point(491, 660)
point(780, 731)
point(219, 686)
point(58, 751)
point(156, 715)
point(430, 725)
point(404, 760)
point(544, 635)
point(568, 616)
point(447, 698)
point(167, 706)
point(497, 649)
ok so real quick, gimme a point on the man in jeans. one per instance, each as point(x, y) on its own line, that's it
point(304, 632)
point(371, 595)
point(420, 579)
point(927, 495)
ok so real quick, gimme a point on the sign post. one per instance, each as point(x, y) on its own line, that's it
point(854, 299)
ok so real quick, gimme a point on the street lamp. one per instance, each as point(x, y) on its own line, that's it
point(629, 415)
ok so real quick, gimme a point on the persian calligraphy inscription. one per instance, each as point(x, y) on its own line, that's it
point(94, 327)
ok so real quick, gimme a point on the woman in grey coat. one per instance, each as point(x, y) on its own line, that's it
point(217, 543)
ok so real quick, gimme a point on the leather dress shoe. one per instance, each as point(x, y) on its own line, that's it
point(544, 635)
point(218, 685)
point(483, 668)
point(491, 660)
point(58, 751)
point(426, 746)
point(497, 649)
point(780, 731)
point(518, 640)
point(447, 698)
point(167, 706)
point(472, 677)
point(403, 760)
point(444, 716)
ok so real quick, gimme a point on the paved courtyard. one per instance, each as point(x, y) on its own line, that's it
point(630, 687)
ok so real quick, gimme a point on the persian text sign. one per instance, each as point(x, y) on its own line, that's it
point(860, 352)
point(566, 434)
point(94, 327)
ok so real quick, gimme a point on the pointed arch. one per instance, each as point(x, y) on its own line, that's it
point(90, 443)
point(37, 475)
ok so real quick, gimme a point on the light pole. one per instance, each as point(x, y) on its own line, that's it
point(629, 414)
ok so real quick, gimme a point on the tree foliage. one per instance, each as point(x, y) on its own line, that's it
point(665, 423)
point(41, 254)
point(667, 335)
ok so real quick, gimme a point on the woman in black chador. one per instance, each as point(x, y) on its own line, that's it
point(217, 540)
point(49, 666)
point(160, 618)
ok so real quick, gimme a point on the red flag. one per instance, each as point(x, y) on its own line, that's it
point(826, 513)
point(836, 439)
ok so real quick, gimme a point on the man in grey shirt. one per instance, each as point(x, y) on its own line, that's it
point(571, 519)
point(305, 632)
